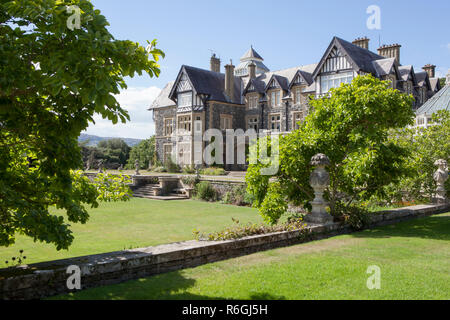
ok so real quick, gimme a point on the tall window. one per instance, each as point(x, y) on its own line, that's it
point(297, 117)
point(252, 123)
point(226, 121)
point(185, 99)
point(167, 152)
point(184, 123)
point(275, 122)
point(168, 126)
point(334, 81)
point(297, 95)
point(252, 102)
point(275, 98)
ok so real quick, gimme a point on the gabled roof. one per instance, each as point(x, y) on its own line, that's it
point(440, 101)
point(307, 78)
point(423, 80)
point(162, 100)
point(209, 83)
point(435, 84)
point(361, 59)
point(407, 73)
point(261, 81)
point(282, 82)
point(251, 54)
point(385, 66)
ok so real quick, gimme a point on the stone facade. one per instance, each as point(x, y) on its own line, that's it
point(257, 98)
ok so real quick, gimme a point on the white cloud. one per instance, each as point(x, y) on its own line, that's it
point(136, 100)
point(448, 46)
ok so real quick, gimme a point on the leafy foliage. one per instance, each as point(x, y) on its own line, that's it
point(351, 127)
point(250, 229)
point(238, 196)
point(425, 146)
point(213, 171)
point(58, 79)
point(205, 191)
point(144, 151)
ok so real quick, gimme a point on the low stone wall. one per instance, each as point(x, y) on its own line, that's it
point(49, 278)
point(222, 186)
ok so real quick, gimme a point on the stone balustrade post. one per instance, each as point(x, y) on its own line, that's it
point(440, 176)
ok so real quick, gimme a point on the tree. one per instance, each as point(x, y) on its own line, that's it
point(351, 127)
point(144, 151)
point(115, 151)
point(57, 79)
point(442, 82)
point(425, 146)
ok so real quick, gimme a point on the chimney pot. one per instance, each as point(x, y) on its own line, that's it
point(252, 70)
point(229, 80)
point(362, 42)
point(430, 69)
point(390, 51)
point(214, 63)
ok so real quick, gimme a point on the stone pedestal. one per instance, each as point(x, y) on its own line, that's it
point(319, 180)
point(440, 176)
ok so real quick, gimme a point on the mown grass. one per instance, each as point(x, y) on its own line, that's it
point(133, 224)
point(414, 258)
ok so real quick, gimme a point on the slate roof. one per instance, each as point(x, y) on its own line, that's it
point(423, 80)
point(407, 72)
point(162, 100)
point(440, 101)
point(251, 54)
point(212, 84)
point(284, 77)
point(361, 58)
point(435, 85)
point(384, 67)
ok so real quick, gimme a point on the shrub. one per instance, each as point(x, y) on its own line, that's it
point(238, 196)
point(188, 169)
point(357, 216)
point(189, 181)
point(205, 191)
point(240, 230)
point(213, 171)
point(171, 166)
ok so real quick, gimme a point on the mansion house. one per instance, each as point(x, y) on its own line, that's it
point(251, 96)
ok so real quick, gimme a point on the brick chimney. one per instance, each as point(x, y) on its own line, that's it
point(229, 80)
point(215, 63)
point(430, 69)
point(362, 42)
point(252, 70)
point(390, 51)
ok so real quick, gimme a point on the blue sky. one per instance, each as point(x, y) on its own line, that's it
point(284, 33)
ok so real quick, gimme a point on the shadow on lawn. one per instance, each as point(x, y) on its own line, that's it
point(168, 286)
point(436, 227)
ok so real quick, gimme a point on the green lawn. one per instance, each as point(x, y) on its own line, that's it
point(137, 223)
point(414, 258)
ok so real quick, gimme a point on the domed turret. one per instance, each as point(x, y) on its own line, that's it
point(250, 57)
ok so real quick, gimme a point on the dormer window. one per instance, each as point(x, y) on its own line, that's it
point(185, 99)
point(275, 98)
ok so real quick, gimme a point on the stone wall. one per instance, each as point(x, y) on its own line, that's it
point(49, 278)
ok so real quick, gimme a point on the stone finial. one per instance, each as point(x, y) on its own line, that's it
point(440, 176)
point(320, 160)
point(319, 180)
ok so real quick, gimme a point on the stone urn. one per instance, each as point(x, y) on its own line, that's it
point(440, 176)
point(100, 166)
point(319, 180)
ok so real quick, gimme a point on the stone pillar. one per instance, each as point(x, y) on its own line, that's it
point(136, 166)
point(100, 166)
point(440, 176)
point(319, 180)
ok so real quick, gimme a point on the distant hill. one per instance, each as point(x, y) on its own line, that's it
point(94, 140)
